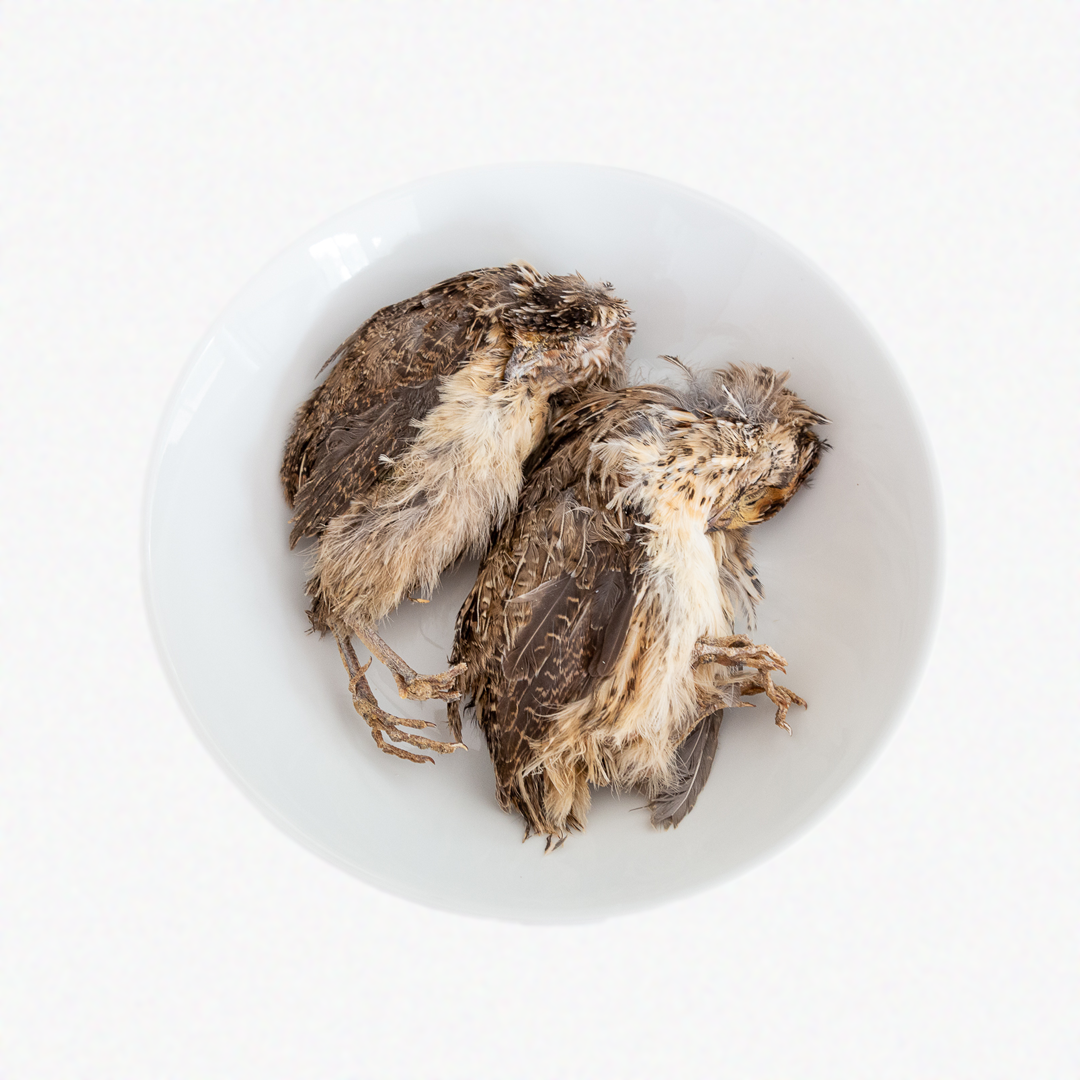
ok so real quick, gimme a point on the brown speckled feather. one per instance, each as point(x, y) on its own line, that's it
point(629, 550)
point(412, 450)
point(553, 601)
point(382, 378)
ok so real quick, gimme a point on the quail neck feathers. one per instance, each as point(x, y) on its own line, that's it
point(411, 450)
point(598, 642)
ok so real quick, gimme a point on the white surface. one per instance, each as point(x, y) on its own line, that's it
point(154, 157)
point(852, 573)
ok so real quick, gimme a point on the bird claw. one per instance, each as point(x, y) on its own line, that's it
point(780, 696)
point(738, 649)
point(425, 687)
point(735, 650)
point(380, 734)
point(384, 726)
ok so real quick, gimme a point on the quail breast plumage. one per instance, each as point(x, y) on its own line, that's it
point(598, 640)
point(411, 450)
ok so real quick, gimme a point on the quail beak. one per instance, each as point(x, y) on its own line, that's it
point(739, 513)
point(724, 518)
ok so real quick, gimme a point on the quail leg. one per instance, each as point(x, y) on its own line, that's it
point(410, 684)
point(382, 724)
point(724, 696)
point(738, 650)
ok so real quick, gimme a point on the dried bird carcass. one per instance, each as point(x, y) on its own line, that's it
point(411, 450)
point(598, 639)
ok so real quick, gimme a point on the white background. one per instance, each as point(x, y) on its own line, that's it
point(154, 156)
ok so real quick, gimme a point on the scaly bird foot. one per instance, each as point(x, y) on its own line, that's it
point(734, 650)
point(384, 726)
point(424, 687)
point(783, 698)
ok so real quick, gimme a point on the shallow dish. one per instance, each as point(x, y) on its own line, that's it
point(851, 568)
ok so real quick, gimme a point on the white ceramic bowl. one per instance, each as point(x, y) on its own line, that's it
point(851, 568)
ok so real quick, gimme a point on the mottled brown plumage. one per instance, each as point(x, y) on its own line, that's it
point(411, 450)
point(598, 639)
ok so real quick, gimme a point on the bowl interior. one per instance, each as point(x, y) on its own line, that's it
point(851, 568)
